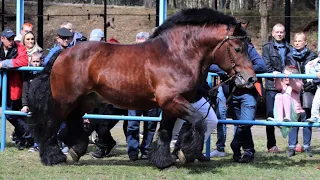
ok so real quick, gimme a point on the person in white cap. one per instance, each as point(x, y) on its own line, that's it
point(97, 35)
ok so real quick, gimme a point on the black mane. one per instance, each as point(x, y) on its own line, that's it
point(196, 17)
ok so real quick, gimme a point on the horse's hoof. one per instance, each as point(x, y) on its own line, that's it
point(170, 169)
point(181, 157)
point(75, 157)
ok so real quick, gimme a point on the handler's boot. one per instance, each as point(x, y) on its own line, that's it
point(100, 153)
point(202, 158)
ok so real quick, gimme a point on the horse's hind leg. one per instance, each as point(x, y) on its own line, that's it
point(77, 139)
point(159, 154)
point(50, 153)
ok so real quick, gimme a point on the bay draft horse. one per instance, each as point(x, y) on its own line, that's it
point(164, 72)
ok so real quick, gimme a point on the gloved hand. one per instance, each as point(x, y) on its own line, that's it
point(309, 86)
point(212, 94)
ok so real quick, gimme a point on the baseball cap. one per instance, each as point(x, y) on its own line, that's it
point(64, 32)
point(96, 35)
point(8, 33)
point(141, 35)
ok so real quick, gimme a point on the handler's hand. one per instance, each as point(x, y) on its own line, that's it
point(275, 73)
point(25, 109)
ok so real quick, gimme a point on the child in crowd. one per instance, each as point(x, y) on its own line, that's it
point(313, 67)
point(35, 61)
point(287, 106)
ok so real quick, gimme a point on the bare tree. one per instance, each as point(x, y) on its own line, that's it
point(250, 5)
point(175, 3)
point(269, 5)
point(234, 6)
point(147, 3)
point(264, 21)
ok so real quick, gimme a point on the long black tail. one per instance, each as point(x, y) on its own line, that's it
point(40, 99)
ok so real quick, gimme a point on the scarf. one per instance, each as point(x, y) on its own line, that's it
point(282, 51)
point(299, 54)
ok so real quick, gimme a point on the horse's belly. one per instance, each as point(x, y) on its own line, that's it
point(125, 101)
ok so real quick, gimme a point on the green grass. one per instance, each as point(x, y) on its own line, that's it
point(15, 164)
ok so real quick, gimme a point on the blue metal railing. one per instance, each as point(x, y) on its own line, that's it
point(114, 117)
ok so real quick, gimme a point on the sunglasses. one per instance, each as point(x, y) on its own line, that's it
point(65, 37)
point(10, 39)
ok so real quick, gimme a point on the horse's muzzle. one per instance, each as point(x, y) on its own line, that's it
point(242, 82)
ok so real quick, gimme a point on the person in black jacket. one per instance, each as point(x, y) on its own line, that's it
point(35, 61)
point(299, 57)
point(275, 55)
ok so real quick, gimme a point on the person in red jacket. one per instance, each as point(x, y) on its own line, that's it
point(13, 55)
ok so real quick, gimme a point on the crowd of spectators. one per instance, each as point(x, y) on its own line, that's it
point(286, 99)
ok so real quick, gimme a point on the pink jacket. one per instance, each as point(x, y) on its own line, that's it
point(296, 85)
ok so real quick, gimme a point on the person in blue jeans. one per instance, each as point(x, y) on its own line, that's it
point(221, 110)
point(299, 57)
point(243, 106)
point(275, 55)
point(149, 129)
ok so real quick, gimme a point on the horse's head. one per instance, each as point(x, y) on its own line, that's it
point(232, 56)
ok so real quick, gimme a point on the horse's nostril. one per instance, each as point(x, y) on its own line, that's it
point(252, 80)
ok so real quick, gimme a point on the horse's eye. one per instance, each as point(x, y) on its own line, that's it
point(237, 50)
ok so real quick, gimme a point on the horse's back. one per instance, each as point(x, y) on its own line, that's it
point(105, 69)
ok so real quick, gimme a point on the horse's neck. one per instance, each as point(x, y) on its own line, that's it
point(194, 45)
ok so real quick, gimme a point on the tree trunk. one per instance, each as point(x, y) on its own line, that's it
point(221, 3)
point(147, 3)
point(226, 5)
point(269, 5)
point(174, 3)
point(264, 21)
point(277, 4)
point(250, 5)
point(234, 6)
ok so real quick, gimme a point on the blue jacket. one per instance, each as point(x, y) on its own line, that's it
point(50, 54)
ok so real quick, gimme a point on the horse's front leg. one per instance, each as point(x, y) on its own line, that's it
point(50, 152)
point(159, 154)
point(192, 140)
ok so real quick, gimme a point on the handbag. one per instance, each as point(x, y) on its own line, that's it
point(307, 98)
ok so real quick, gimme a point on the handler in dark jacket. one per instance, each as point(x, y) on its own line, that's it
point(243, 106)
point(275, 55)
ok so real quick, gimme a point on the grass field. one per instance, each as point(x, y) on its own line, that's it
point(15, 164)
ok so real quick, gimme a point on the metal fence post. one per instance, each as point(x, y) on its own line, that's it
point(208, 142)
point(3, 105)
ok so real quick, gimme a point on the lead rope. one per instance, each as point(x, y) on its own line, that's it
point(211, 102)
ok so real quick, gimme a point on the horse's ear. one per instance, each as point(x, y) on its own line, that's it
point(237, 29)
point(245, 25)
